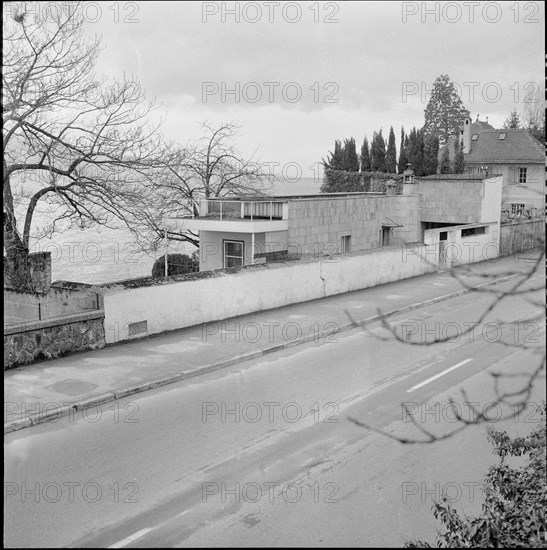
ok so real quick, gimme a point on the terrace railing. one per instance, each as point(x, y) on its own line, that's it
point(226, 209)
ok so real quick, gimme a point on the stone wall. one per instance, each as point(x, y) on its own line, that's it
point(40, 270)
point(520, 235)
point(31, 342)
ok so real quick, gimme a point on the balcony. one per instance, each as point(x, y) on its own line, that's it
point(239, 216)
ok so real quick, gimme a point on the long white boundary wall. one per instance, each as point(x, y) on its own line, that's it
point(169, 304)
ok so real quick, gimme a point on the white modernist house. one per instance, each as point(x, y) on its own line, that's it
point(238, 232)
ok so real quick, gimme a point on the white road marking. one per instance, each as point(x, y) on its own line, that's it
point(437, 376)
point(131, 538)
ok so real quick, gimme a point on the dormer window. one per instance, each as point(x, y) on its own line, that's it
point(474, 137)
point(502, 136)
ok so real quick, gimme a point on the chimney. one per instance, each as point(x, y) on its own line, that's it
point(467, 136)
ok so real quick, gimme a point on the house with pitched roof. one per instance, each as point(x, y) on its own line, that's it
point(515, 154)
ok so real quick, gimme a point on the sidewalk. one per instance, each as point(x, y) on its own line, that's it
point(55, 388)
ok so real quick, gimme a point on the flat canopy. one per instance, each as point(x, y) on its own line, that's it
point(391, 223)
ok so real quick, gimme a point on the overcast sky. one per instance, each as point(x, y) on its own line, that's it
point(357, 66)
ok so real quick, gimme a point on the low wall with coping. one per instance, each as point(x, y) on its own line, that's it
point(139, 308)
point(20, 307)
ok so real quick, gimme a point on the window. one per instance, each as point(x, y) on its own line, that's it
point(522, 175)
point(517, 208)
point(473, 231)
point(345, 245)
point(474, 137)
point(233, 253)
point(502, 136)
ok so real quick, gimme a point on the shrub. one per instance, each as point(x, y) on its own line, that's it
point(515, 500)
point(177, 264)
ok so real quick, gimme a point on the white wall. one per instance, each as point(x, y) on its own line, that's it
point(217, 295)
point(491, 200)
point(464, 250)
point(531, 193)
point(211, 247)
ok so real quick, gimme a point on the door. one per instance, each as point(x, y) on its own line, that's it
point(386, 236)
point(443, 236)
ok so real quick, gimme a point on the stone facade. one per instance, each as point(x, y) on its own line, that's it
point(450, 201)
point(32, 342)
point(316, 225)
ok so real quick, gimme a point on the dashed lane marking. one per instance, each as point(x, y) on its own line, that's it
point(417, 386)
point(132, 538)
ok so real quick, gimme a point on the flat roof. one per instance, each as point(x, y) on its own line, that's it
point(276, 198)
point(464, 177)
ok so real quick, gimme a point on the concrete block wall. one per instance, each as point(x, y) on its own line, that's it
point(316, 225)
point(451, 201)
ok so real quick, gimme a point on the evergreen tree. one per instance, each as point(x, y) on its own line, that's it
point(391, 155)
point(513, 121)
point(351, 159)
point(378, 152)
point(431, 155)
point(416, 151)
point(459, 161)
point(335, 161)
point(403, 157)
point(533, 119)
point(445, 161)
point(366, 165)
point(445, 112)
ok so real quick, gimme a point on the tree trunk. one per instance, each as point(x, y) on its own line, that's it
point(16, 254)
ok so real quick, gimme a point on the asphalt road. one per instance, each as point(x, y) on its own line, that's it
point(264, 454)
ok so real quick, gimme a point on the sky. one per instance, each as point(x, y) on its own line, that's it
point(298, 75)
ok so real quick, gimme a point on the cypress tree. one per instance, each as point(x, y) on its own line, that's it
point(416, 151)
point(431, 155)
point(378, 152)
point(366, 165)
point(459, 161)
point(351, 160)
point(335, 161)
point(403, 157)
point(391, 155)
point(445, 161)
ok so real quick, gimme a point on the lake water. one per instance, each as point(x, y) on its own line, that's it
point(99, 255)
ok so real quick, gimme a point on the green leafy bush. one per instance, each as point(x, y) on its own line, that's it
point(515, 499)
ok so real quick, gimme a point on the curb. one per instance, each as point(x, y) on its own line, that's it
point(98, 400)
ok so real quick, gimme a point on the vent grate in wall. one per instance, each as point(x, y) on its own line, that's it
point(137, 328)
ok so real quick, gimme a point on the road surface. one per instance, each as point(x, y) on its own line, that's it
point(264, 453)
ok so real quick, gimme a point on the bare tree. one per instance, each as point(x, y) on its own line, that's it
point(84, 144)
point(210, 167)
